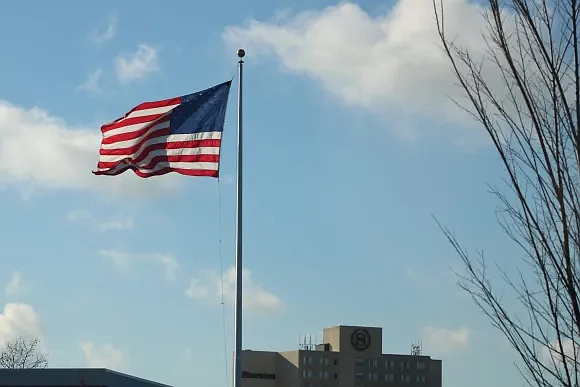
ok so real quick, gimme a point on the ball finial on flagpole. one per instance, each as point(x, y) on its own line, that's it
point(241, 53)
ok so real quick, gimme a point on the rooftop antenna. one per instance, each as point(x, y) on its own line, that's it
point(416, 349)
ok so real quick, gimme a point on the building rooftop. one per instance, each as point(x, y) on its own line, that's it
point(69, 377)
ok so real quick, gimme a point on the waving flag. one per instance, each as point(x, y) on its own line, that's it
point(181, 135)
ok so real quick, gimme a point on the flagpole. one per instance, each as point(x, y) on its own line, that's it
point(238, 300)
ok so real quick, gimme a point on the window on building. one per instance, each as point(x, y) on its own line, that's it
point(407, 378)
point(359, 376)
point(307, 360)
point(359, 362)
point(389, 378)
point(421, 365)
point(402, 365)
point(373, 363)
point(335, 361)
point(408, 363)
point(306, 374)
point(373, 377)
point(422, 378)
point(335, 376)
point(323, 374)
point(402, 378)
point(392, 364)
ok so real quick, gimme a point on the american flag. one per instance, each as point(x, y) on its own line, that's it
point(181, 135)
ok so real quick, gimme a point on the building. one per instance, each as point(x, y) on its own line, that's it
point(349, 356)
point(70, 377)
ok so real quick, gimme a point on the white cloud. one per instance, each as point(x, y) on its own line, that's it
point(108, 33)
point(103, 356)
point(255, 298)
point(551, 354)
point(40, 151)
point(92, 84)
point(20, 320)
point(85, 218)
point(15, 284)
point(137, 65)
point(126, 261)
point(391, 63)
point(196, 290)
point(446, 341)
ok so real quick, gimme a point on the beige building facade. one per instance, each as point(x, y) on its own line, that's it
point(349, 356)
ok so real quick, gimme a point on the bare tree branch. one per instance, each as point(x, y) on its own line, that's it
point(532, 117)
point(23, 353)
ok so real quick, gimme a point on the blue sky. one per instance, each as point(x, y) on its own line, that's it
point(350, 146)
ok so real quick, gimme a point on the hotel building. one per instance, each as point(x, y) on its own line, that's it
point(349, 356)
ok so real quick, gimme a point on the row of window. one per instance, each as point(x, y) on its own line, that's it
point(389, 364)
point(372, 363)
point(323, 360)
point(373, 377)
point(307, 374)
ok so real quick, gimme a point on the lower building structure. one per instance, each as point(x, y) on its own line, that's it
point(349, 356)
point(71, 377)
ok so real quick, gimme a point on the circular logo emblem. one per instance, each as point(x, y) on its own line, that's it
point(360, 339)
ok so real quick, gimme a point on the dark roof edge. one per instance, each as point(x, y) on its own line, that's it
point(92, 371)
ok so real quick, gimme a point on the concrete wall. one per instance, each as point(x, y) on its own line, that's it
point(259, 368)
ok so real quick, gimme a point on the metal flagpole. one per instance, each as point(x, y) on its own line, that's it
point(238, 300)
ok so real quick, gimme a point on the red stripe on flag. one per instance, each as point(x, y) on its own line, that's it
point(163, 171)
point(132, 121)
point(156, 104)
point(164, 145)
point(163, 158)
point(134, 135)
point(148, 105)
